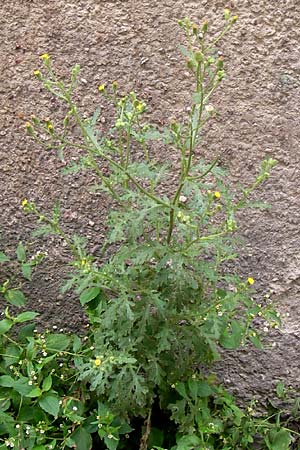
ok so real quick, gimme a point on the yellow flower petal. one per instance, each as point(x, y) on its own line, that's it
point(45, 57)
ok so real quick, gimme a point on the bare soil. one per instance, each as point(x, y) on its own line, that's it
point(135, 43)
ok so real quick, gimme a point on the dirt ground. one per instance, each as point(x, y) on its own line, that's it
point(135, 43)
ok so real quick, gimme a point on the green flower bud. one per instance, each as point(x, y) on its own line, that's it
point(227, 14)
point(220, 63)
point(198, 57)
point(205, 26)
point(220, 74)
point(195, 29)
point(190, 64)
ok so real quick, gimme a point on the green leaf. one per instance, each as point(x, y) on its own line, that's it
point(21, 253)
point(180, 388)
point(89, 294)
point(15, 297)
point(197, 98)
point(76, 344)
point(25, 316)
point(279, 440)
point(26, 331)
point(47, 383)
point(50, 404)
point(82, 439)
point(3, 257)
point(6, 381)
point(111, 443)
point(280, 389)
point(26, 271)
point(204, 389)
point(256, 341)
point(5, 325)
point(232, 338)
point(35, 392)
point(4, 400)
point(188, 442)
point(57, 342)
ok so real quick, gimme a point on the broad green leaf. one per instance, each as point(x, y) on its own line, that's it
point(76, 344)
point(26, 271)
point(254, 338)
point(25, 316)
point(279, 440)
point(3, 257)
point(50, 404)
point(89, 294)
point(15, 297)
point(82, 439)
point(232, 338)
point(204, 389)
point(5, 325)
point(188, 442)
point(47, 383)
point(193, 388)
point(22, 386)
point(180, 388)
point(4, 400)
point(35, 392)
point(57, 342)
point(12, 354)
point(21, 253)
point(26, 331)
point(6, 381)
point(111, 443)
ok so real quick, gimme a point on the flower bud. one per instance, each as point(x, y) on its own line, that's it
point(198, 57)
point(29, 128)
point(37, 74)
point(190, 64)
point(195, 29)
point(220, 74)
point(220, 63)
point(227, 14)
point(205, 26)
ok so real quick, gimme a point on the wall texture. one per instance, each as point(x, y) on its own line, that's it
point(135, 42)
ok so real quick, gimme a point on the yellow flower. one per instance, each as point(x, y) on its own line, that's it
point(45, 57)
point(250, 281)
point(37, 73)
point(101, 88)
point(24, 202)
point(50, 127)
point(98, 362)
point(140, 107)
point(217, 194)
point(234, 19)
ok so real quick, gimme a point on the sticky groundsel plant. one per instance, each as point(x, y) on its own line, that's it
point(158, 296)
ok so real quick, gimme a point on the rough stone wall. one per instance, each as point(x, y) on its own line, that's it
point(134, 42)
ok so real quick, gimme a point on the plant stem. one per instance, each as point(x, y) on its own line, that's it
point(145, 437)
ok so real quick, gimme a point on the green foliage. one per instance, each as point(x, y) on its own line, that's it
point(159, 298)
